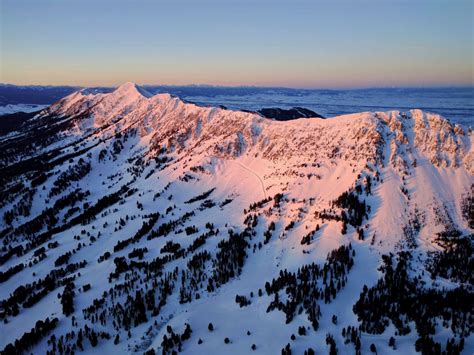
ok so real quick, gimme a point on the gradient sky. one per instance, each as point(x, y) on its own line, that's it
point(294, 43)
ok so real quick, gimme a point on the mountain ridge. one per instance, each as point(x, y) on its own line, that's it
point(201, 204)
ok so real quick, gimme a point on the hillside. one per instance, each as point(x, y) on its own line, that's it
point(126, 217)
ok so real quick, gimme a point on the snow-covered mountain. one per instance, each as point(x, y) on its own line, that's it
point(140, 223)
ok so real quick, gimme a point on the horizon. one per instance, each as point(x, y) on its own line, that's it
point(414, 87)
point(302, 45)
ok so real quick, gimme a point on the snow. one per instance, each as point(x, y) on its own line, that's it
point(11, 108)
point(247, 158)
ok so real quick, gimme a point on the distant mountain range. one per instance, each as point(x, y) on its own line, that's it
point(39, 95)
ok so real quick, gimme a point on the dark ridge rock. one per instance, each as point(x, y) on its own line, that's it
point(294, 113)
point(12, 122)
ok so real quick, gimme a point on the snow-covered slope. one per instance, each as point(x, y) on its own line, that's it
point(124, 214)
point(8, 109)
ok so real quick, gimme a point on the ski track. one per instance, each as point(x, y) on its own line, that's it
point(255, 174)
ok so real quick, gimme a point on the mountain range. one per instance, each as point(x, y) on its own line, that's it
point(141, 223)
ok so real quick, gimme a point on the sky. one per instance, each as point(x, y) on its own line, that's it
point(293, 43)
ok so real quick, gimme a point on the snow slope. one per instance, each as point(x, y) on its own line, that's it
point(11, 108)
point(168, 154)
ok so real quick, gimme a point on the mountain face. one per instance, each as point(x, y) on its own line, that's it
point(140, 223)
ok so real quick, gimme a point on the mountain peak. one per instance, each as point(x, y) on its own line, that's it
point(130, 88)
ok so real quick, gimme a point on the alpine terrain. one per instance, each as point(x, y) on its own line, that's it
point(139, 223)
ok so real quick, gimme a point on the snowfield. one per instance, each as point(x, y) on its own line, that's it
point(197, 205)
point(7, 109)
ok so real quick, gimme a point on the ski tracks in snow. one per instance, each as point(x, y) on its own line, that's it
point(254, 173)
